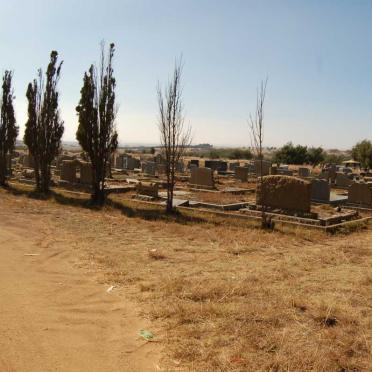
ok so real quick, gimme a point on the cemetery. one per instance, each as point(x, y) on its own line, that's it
point(328, 196)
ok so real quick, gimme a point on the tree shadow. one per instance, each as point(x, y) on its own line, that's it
point(149, 214)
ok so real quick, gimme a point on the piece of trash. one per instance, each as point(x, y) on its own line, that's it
point(147, 335)
point(110, 289)
point(32, 254)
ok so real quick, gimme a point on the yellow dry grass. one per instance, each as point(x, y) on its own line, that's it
point(228, 297)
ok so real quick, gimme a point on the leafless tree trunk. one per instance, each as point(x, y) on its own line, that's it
point(175, 137)
point(256, 124)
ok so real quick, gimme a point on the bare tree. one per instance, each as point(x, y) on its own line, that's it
point(175, 137)
point(256, 124)
point(8, 127)
point(96, 132)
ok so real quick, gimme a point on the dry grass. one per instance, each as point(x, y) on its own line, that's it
point(231, 298)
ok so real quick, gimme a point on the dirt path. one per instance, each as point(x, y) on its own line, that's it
point(55, 317)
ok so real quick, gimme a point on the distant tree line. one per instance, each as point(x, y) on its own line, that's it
point(290, 154)
point(362, 152)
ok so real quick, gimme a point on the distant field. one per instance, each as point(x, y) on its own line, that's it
point(224, 297)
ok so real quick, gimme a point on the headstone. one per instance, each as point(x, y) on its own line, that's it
point(320, 190)
point(86, 173)
point(266, 165)
point(149, 167)
point(342, 180)
point(194, 162)
point(304, 172)
point(233, 165)
point(284, 192)
point(324, 175)
point(28, 161)
point(274, 170)
point(241, 173)
point(148, 188)
point(360, 193)
point(216, 165)
point(202, 177)
point(68, 171)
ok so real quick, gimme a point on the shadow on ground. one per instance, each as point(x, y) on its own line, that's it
point(152, 213)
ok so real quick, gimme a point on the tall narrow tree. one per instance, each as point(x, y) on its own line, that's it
point(256, 124)
point(8, 127)
point(174, 136)
point(96, 132)
point(44, 127)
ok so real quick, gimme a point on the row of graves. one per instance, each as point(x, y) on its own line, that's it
point(294, 195)
point(335, 195)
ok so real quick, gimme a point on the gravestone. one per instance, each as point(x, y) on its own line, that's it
point(28, 161)
point(194, 162)
point(149, 167)
point(216, 165)
point(304, 172)
point(68, 171)
point(86, 173)
point(202, 177)
point(241, 173)
point(274, 170)
point(266, 165)
point(233, 165)
point(324, 175)
point(148, 188)
point(284, 192)
point(320, 190)
point(360, 193)
point(342, 180)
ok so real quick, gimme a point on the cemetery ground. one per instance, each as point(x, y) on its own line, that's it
point(217, 295)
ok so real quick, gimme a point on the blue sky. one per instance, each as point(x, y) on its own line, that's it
point(317, 56)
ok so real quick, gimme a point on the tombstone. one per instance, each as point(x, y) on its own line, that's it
point(161, 168)
point(332, 170)
point(180, 167)
point(130, 163)
point(202, 177)
point(86, 173)
point(194, 162)
point(274, 170)
point(233, 165)
point(324, 175)
point(241, 173)
point(149, 167)
point(360, 193)
point(266, 165)
point(159, 159)
point(118, 162)
point(147, 188)
point(284, 192)
point(28, 161)
point(320, 190)
point(61, 158)
point(68, 171)
point(304, 172)
point(342, 180)
point(216, 165)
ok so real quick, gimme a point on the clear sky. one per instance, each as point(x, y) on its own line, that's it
point(317, 56)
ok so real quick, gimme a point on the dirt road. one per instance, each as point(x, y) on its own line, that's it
point(55, 316)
